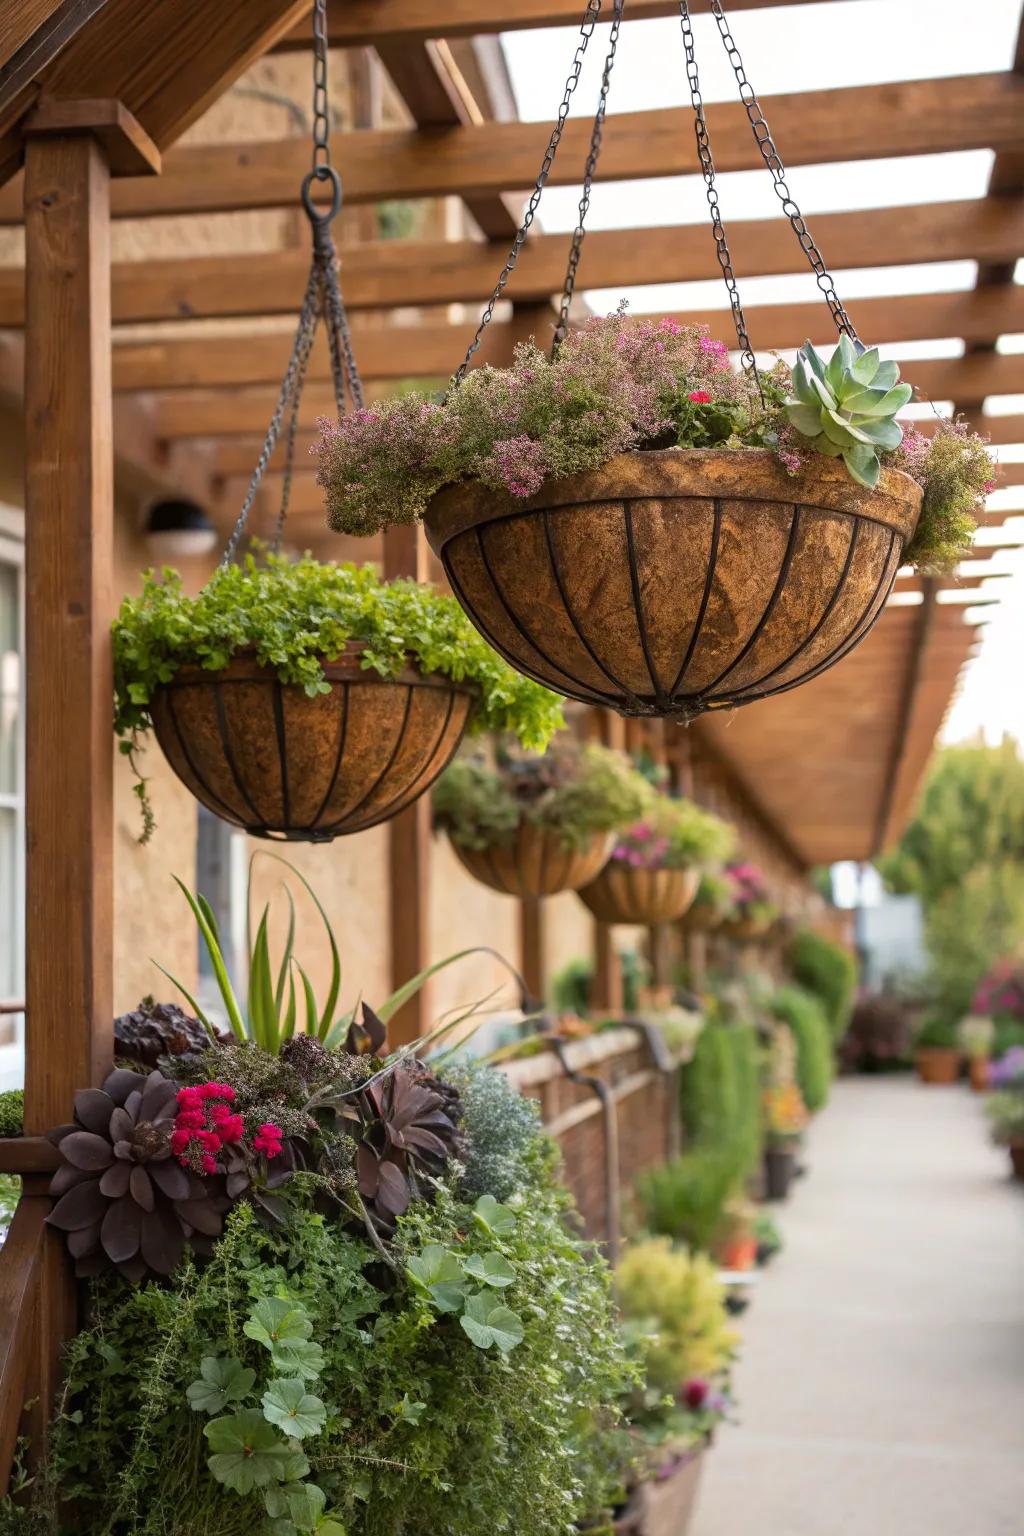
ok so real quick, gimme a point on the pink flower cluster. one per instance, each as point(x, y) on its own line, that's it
point(1001, 991)
point(747, 884)
point(205, 1124)
point(641, 846)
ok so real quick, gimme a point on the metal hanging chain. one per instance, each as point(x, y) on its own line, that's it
point(322, 301)
point(707, 166)
point(587, 26)
point(576, 247)
point(772, 159)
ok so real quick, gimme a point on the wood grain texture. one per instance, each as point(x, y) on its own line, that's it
point(69, 507)
point(535, 863)
point(266, 757)
point(670, 583)
point(127, 147)
point(867, 122)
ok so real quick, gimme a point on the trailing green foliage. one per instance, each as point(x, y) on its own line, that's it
point(295, 615)
point(815, 1064)
point(574, 790)
point(12, 1112)
point(829, 970)
point(293, 1380)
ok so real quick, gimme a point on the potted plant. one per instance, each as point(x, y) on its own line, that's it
point(534, 825)
point(326, 1263)
point(752, 910)
point(936, 1054)
point(712, 905)
point(306, 701)
point(677, 1329)
point(632, 524)
point(653, 873)
point(975, 1036)
point(785, 1121)
point(735, 1240)
point(1005, 1106)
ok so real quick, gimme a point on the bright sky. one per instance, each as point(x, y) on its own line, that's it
point(794, 48)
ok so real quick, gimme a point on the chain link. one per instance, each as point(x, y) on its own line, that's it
point(322, 301)
point(587, 26)
point(707, 166)
point(772, 159)
point(321, 106)
point(576, 247)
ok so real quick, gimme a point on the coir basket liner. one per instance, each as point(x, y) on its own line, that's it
point(265, 756)
point(536, 862)
point(624, 894)
point(672, 582)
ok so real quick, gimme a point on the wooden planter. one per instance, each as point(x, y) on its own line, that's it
point(669, 1502)
point(536, 862)
point(266, 757)
point(937, 1064)
point(672, 582)
point(623, 894)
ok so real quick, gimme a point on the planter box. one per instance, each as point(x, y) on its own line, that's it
point(779, 1169)
point(668, 1502)
point(938, 1064)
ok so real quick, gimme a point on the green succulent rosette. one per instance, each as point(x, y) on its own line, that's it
point(847, 406)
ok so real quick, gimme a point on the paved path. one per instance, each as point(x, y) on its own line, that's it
point(881, 1387)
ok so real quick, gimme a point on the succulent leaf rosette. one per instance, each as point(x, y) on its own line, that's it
point(847, 406)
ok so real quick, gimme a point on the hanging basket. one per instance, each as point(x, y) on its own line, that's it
point(536, 862)
point(748, 928)
point(677, 581)
point(624, 894)
point(266, 757)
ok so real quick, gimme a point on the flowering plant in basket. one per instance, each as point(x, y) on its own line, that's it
point(619, 384)
point(677, 834)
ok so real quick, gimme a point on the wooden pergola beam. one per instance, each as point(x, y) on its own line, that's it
point(391, 273)
point(198, 362)
point(910, 117)
point(355, 23)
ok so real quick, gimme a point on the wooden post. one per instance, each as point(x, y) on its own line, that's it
point(607, 991)
point(409, 845)
point(532, 957)
point(69, 499)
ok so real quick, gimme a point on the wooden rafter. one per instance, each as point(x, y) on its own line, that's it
point(909, 117)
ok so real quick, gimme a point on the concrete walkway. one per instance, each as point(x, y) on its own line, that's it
point(881, 1385)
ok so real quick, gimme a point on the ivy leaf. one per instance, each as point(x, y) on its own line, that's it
point(493, 1217)
point(249, 1453)
point(438, 1272)
point(490, 1269)
point(487, 1323)
point(301, 1504)
point(220, 1382)
point(275, 1320)
point(298, 1357)
point(294, 1410)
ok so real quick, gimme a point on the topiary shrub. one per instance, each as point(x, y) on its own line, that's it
point(805, 1016)
point(12, 1112)
point(829, 971)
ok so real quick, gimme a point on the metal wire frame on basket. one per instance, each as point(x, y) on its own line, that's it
point(322, 302)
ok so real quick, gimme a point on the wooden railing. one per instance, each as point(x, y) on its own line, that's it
point(31, 1256)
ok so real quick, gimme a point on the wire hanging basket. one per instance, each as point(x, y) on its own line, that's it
point(676, 581)
point(260, 753)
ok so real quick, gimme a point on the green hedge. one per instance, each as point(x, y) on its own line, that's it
point(721, 1109)
point(12, 1112)
point(830, 972)
point(815, 1062)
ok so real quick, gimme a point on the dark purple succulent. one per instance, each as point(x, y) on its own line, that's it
point(405, 1128)
point(122, 1199)
point(154, 1031)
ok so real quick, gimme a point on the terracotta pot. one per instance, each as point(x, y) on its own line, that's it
point(669, 1502)
point(779, 1168)
point(266, 757)
point(536, 862)
point(672, 582)
point(1016, 1150)
point(978, 1068)
point(937, 1064)
point(739, 1252)
point(623, 894)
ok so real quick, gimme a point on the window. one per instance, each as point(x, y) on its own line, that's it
point(221, 855)
point(12, 795)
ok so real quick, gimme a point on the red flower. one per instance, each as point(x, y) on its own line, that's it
point(268, 1140)
point(190, 1098)
point(695, 1394)
point(700, 397)
point(179, 1142)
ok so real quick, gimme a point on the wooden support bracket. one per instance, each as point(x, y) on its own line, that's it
point(127, 147)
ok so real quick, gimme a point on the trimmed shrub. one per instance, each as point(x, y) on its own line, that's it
point(830, 972)
point(814, 1060)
